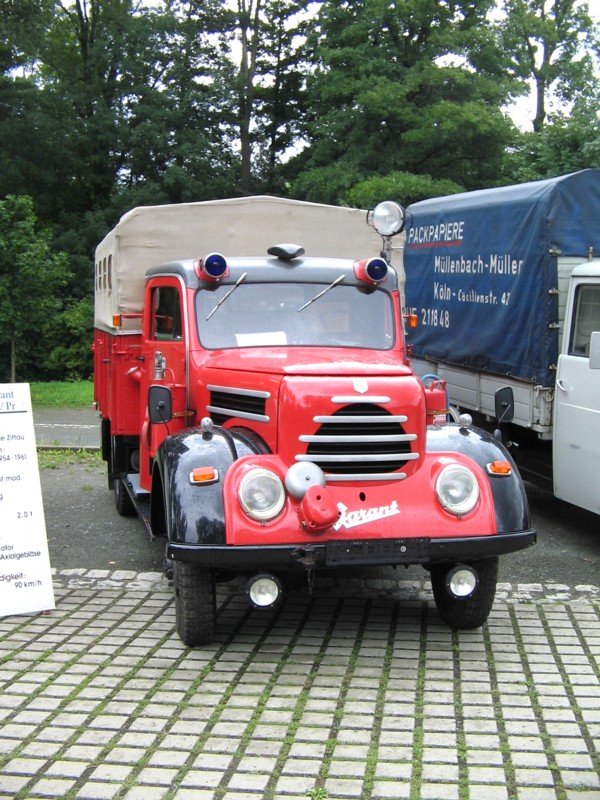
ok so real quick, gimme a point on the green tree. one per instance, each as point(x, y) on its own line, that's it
point(102, 61)
point(266, 68)
point(71, 355)
point(400, 186)
point(395, 89)
point(31, 277)
point(178, 136)
point(31, 126)
point(554, 44)
point(565, 144)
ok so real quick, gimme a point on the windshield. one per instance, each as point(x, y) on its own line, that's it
point(267, 314)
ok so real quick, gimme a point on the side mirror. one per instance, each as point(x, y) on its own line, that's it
point(595, 350)
point(160, 404)
point(504, 404)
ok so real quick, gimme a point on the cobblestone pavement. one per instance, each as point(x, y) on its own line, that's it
point(356, 692)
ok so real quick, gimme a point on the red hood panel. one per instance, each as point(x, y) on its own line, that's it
point(308, 361)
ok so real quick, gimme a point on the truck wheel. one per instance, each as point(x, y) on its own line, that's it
point(123, 502)
point(195, 603)
point(471, 612)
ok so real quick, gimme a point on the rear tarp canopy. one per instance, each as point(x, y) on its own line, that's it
point(152, 235)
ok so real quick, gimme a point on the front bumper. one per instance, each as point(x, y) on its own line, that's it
point(351, 552)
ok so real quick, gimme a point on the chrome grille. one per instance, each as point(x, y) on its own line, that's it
point(360, 440)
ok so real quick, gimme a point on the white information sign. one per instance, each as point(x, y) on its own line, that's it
point(25, 576)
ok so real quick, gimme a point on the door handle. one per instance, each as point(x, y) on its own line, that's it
point(564, 386)
point(160, 365)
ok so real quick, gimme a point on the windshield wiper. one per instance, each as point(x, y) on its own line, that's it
point(233, 288)
point(325, 290)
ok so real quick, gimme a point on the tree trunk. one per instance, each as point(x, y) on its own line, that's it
point(13, 360)
point(249, 22)
point(540, 105)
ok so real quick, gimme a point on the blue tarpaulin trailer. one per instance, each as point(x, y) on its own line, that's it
point(482, 272)
point(506, 286)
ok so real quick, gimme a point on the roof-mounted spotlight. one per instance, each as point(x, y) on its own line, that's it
point(212, 267)
point(371, 270)
point(388, 218)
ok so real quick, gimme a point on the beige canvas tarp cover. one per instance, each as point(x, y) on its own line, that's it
point(152, 235)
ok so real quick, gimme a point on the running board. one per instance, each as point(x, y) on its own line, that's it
point(140, 499)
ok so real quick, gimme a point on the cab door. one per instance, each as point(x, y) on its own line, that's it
point(165, 359)
point(576, 437)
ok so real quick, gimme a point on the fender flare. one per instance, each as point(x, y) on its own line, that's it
point(510, 501)
point(194, 514)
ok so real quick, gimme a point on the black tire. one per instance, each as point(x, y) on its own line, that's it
point(195, 603)
point(473, 611)
point(123, 502)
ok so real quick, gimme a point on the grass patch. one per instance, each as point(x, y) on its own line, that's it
point(62, 393)
point(54, 459)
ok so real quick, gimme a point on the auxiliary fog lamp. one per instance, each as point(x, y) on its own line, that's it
point(461, 582)
point(263, 590)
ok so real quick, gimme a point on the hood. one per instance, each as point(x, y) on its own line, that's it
point(309, 361)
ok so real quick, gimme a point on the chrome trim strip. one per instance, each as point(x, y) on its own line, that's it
point(382, 476)
point(365, 419)
point(243, 392)
point(230, 412)
point(354, 458)
point(399, 437)
point(360, 398)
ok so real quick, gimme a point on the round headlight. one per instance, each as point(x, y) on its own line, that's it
point(457, 489)
point(261, 494)
point(388, 218)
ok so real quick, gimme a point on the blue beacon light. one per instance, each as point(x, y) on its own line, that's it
point(212, 267)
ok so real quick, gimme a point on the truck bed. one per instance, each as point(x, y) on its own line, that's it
point(470, 390)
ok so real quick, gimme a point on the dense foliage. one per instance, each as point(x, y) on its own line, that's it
point(31, 283)
point(108, 104)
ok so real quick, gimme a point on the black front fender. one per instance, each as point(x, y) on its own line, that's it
point(194, 513)
point(510, 500)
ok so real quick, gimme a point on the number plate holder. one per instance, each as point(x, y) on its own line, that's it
point(377, 551)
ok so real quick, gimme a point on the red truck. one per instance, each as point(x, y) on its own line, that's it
point(259, 410)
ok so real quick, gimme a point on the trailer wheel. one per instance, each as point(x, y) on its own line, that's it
point(471, 612)
point(123, 502)
point(195, 603)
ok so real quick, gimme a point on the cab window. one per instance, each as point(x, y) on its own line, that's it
point(586, 318)
point(166, 316)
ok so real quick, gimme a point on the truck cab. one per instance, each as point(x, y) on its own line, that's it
point(577, 395)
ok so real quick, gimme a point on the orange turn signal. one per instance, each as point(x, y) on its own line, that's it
point(117, 320)
point(412, 320)
point(502, 468)
point(203, 475)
